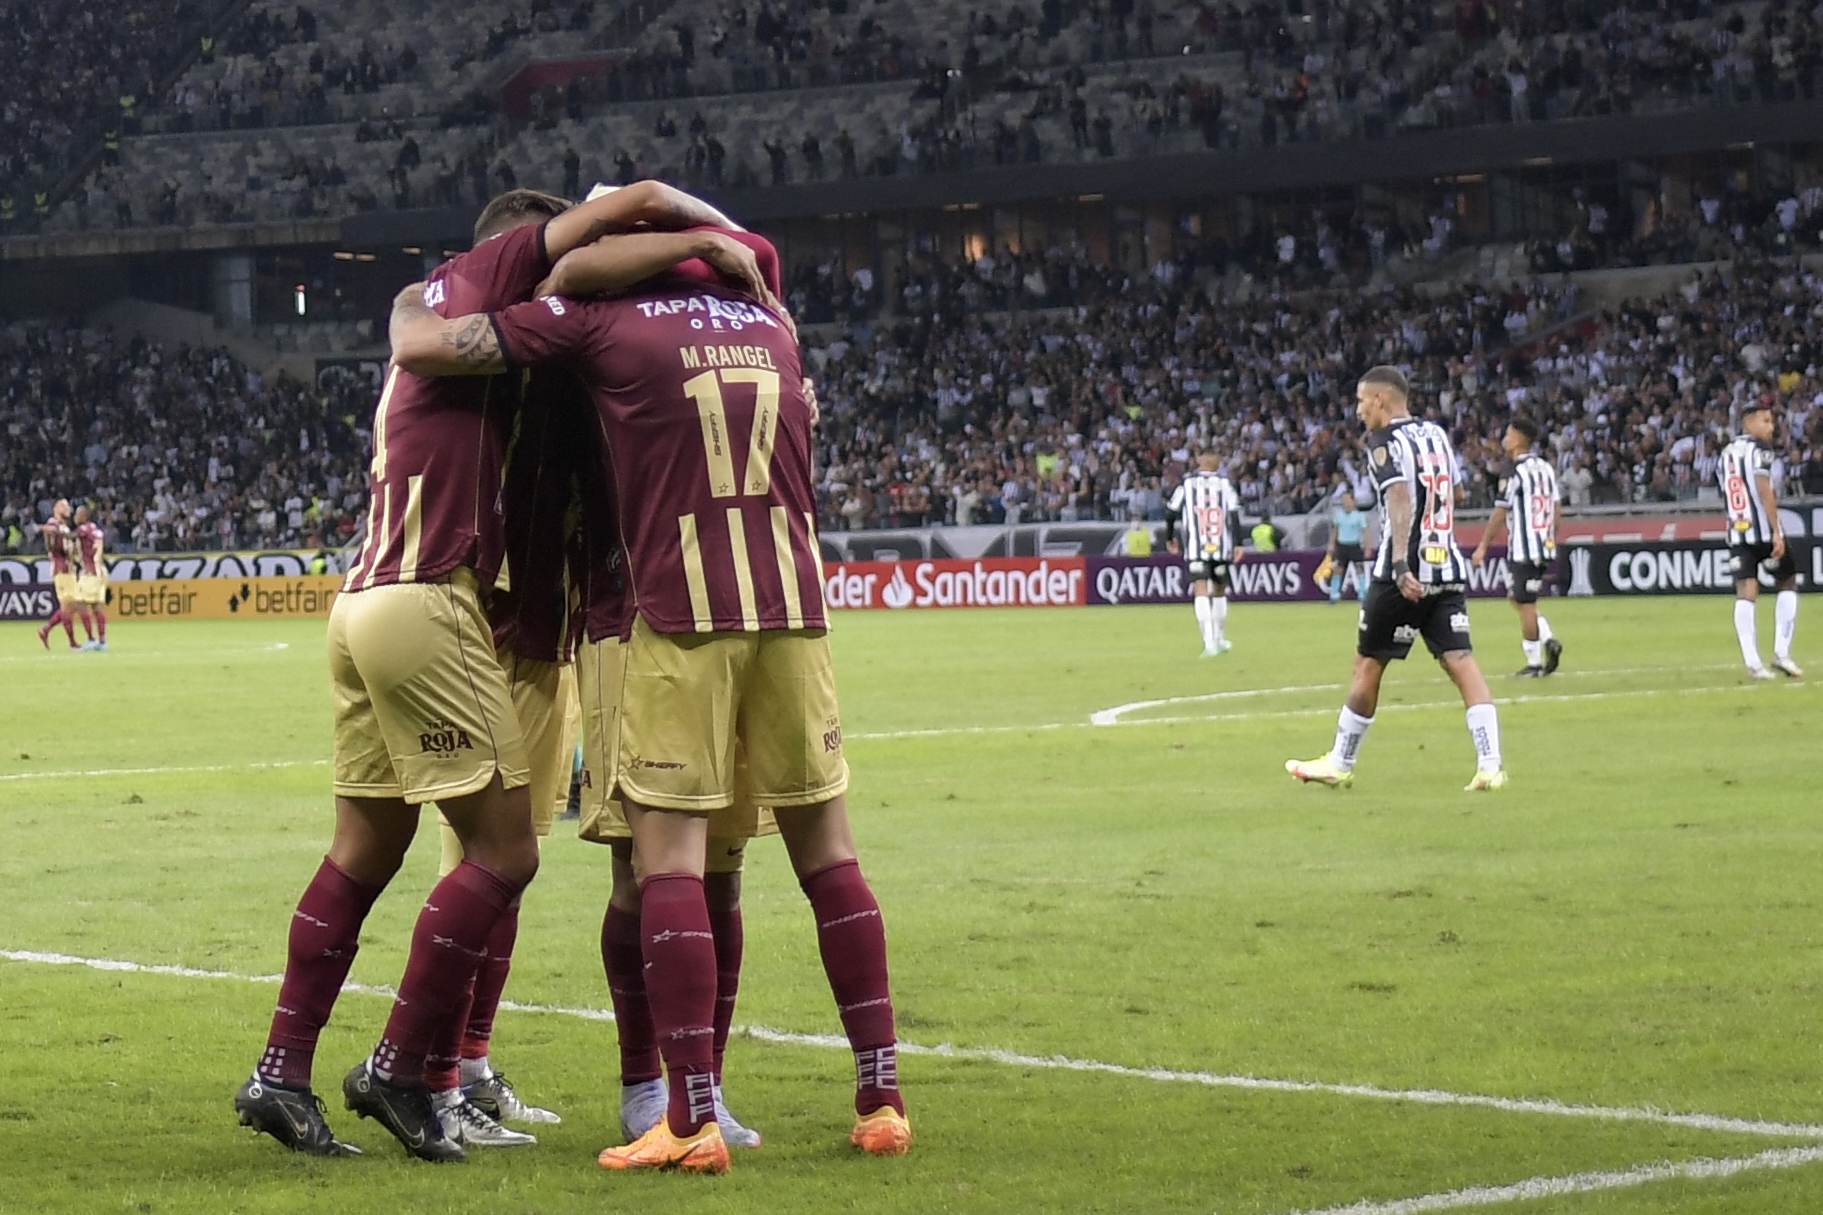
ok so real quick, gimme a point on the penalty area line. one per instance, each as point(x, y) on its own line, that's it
point(1581, 1183)
point(1433, 1097)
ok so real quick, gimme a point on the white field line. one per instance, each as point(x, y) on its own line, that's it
point(283, 763)
point(1580, 1183)
point(1110, 717)
point(1510, 1105)
point(1102, 719)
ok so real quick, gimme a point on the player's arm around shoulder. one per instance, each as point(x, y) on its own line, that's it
point(426, 344)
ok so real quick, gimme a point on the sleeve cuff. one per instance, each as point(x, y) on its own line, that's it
point(506, 351)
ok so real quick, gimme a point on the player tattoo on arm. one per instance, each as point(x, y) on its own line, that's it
point(473, 342)
point(423, 343)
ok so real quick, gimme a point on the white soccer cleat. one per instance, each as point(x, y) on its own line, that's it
point(1758, 673)
point(1487, 781)
point(1786, 666)
point(1223, 646)
point(642, 1107)
point(733, 1133)
point(1319, 771)
point(495, 1096)
point(464, 1124)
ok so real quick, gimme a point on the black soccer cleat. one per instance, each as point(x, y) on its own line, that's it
point(1529, 673)
point(403, 1109)
point(1553, 654)
point(293, 1116)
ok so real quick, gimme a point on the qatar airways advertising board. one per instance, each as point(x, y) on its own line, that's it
point(950, 583)
point(1282, 577)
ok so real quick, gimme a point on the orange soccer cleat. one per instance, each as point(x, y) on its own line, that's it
point(885, 1132)
point(658, 1148)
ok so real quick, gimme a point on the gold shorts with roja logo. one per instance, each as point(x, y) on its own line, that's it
point(422, 706)
point(689, 698)
point(544, 700)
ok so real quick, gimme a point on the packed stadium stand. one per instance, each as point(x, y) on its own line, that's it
point(1042, 251)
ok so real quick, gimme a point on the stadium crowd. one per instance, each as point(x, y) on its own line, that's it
point(947, 415)
point(177, 448)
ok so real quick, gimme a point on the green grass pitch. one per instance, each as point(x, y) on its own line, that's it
point(1634, 924)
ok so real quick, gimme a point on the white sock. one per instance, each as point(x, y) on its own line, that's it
point(1534, 652)
point(1351, 728)
point(1202, 621)
point(1218, 618)
point(1747, 631)
point(1544, 630)
point(474, 1071)
point(1484, 729)
point(1785, 612)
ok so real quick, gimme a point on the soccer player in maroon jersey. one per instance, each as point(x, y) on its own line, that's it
point(91, 581)
point(701, 398)
point(422, 706)
point(58, 543)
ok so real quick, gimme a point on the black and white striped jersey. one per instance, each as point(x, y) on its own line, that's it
point(1419, 454)
point(1746, 464)
point(1531, 502)
point(1211, 514)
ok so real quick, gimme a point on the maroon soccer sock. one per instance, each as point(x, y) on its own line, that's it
point(101, 623)
point(443, 1065)
point(624, 962)
point(730, 943)
point(88, 625)
point(69, 625)
point(447, 947)
point(490, 982)
point(679, 952)
point(852, 938)
point(325, 935)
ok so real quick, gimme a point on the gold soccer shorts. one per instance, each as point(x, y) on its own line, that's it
point(690, 697)
point(66, 588)
point(544, 700)
point(603, 666)
point(422, 706)
point(92, 589)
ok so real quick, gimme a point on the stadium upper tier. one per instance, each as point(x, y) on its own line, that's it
point(375, 112)
point(1073, 413)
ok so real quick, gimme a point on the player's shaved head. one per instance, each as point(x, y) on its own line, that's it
point(1388, 379)
point(515, 209)
point(82, 514)
point(1209, 462)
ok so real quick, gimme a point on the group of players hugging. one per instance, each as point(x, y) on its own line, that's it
point(78, 575)
point(591, 498)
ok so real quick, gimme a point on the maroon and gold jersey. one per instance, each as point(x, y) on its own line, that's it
point(57, 544)
point(439, 445)
point(88, 550)
point(554, 437)
point(701, 399)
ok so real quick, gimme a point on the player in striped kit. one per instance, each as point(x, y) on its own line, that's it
point(1530, 511)
point(1211, 513)
point(1756, 540)
point(1419, 578)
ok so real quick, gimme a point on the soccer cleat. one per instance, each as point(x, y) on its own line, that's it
point(1223, 646)
point(642, 1107)
point(403, 1109)
point(102, 646)
point(88, 646)
point(1487, 781)
point(1758, 673)
point(1210, 651)
point(465, 1124)
point(1553, 654)
point(1319, 771)
point(885, 1132)
point(496, 1097)
point(733, 1133)
point(1786, 666)
point(44, 636)
point(293, 1116)
point(1529, 673)
point(658, 1148)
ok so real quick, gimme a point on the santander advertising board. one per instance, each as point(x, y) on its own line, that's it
point(987, 582)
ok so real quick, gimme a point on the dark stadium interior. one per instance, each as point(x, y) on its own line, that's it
point(1043, 251)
